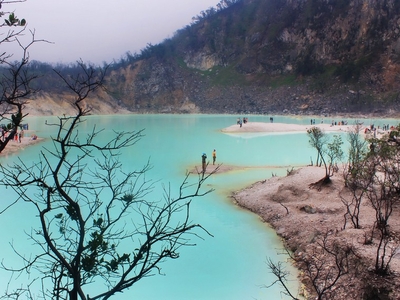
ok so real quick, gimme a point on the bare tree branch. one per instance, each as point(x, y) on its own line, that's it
point(98, 221)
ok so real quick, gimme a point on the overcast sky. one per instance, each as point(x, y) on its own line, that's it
point(100, 31)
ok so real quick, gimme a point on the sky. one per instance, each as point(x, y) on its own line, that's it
point(99, 31)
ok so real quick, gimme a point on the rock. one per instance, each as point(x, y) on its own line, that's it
point(308, 209)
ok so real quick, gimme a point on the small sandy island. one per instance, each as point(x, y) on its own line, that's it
point(219, 168)
point(283, 128)
point(302, 215)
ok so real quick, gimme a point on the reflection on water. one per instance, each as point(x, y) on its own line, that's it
point(229, 265)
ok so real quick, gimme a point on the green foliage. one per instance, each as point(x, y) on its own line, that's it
point(351, 70)
point(317, 136)
point(378, 177)
point(14, 21)
point(16, 119)
point(357, 147)
point(113, 264)
point(310, 9)
point(314, 13)
point(98, 223)
point(335, 147)
point(275, 30)
point(329, 151)
point(99, 254)
point(159, 51)
point(334, 153)
point(88, 263)
point(321, 82)
point(70, 210)
point(226, 76)
point(97, 242)
point(245, 20)
point(127, 197)
point(394, 134)
point(307, 65)
point(282, 80)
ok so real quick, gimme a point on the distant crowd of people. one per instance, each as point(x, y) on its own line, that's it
point(374, 130)
point(334, 123)
point(16, 136)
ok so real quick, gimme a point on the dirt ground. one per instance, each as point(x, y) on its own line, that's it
point(15, 146)
point(302, 216)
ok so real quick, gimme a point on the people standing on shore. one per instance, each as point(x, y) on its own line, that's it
point(214, 156)
point(203, 162)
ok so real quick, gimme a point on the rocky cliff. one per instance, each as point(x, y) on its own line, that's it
point(272, 56)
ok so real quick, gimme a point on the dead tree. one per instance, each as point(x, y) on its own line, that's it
point(98, 224)
point(278, 270)
point(357, 179)
point(355, 176)
point(325, 264)
point(383, 194)
point(15, 80)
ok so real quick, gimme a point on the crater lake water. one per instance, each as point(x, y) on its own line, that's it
point(232, 263)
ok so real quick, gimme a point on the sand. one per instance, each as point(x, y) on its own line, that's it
point(14, 146)
point(252, 127)
point(302, 215)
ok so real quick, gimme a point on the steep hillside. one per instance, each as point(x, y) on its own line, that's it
point(58, 104)
point(273, 56)
point(315, 57)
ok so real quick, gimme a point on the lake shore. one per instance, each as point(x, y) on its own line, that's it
point(263, 127)
point(302, 216)
point(299, 214)
point(15, 146)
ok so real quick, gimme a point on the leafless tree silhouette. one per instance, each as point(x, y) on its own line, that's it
point(15, 80)
point(97, 224)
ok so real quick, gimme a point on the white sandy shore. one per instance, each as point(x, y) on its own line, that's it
point(283, 127)
point(13, 146)
point(301, 215)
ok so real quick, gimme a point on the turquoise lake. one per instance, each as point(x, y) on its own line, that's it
point(231, 264)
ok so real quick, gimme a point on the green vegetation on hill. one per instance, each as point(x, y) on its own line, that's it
point(253, 49)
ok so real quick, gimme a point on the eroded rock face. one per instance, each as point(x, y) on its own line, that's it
point(275, 57)
point(202, 61)
point(304, 57)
